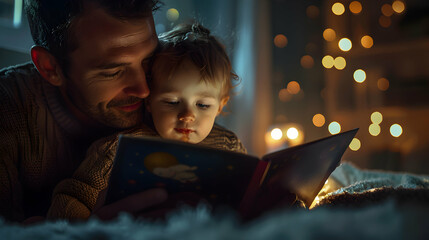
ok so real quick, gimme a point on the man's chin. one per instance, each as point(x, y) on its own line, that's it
point(123, 121)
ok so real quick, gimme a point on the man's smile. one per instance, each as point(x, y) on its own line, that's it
point(131, 107)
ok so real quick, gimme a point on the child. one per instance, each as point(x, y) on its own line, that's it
point(192, 79)
point(191, 83)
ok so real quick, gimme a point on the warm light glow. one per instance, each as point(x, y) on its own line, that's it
point(383, 84)
point(396, 130)
point(340, 63)
point(367, 41)
point(338, 8)
point(359, 76)
point(280, 41)
point(276, 134)
point(398, 6)
point(384, 21)
point(293, 87)
point(387, 10)
point(328, 61)
point(312, 11)
point(355, 7)
point(292, 133)
point(318, 120)
point(329, 34)
point(355, 144)
point(284, 95)
point(307, 61)
point(172, 14)
point(334, 127)
point(376, 117)
point(374, 129)
point(345, 44)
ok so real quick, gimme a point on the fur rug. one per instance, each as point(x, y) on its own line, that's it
point(365, 205)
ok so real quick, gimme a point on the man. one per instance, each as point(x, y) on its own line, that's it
point(87, 82)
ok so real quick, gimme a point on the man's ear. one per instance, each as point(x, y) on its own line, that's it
point(47, 65)
point(223, 102)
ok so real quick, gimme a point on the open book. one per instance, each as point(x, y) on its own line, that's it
point(223, 177)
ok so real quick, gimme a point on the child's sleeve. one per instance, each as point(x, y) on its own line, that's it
point(222, 138)
point(76, 198)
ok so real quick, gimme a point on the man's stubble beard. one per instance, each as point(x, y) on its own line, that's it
point(115, 118)
point(106, 114)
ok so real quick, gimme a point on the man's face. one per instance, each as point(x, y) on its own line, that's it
point(107, 72)
point(183, 107)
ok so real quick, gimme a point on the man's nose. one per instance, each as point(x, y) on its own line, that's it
point(137, 85)
point(186, 115)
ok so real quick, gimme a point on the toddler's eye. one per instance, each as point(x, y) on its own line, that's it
point(171, 102)
point(203, 106)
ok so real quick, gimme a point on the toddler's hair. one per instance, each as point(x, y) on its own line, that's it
point(193, 42)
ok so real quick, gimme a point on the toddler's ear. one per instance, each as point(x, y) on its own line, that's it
point(223, 102)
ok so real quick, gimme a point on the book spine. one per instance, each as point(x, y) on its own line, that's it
point(252, 189)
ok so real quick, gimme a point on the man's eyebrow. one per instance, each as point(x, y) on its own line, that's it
point(111, 65)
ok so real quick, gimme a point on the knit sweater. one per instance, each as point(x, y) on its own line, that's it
point(42, 146)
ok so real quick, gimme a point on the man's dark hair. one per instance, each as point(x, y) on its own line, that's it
point(50, 20)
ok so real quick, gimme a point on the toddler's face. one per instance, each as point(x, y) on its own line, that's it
point(183, 107)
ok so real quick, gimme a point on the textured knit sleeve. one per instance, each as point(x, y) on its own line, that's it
point(11, 124)
point(222, 138)
point(76, 198)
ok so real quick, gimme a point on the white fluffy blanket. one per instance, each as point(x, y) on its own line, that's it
point(386, 220)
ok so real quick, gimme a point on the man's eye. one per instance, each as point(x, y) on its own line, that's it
point(111, 75)
point(203, 106)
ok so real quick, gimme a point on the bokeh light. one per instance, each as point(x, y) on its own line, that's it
point(312, 11)
point(318, 120)
point(367, 41)
point(338, 8)
point(307, 61)
point(396, 130)
point(376, 117)
point(387, 10)
point(355, 7)
point(293, 87)
point(328, 61)
point(355, 144)
point(329, 34)
point(334, 127)
point(276, 134)
point(398, 6)
point(345, 44)
point(284, 95)
point(384, 21)
point(280, 41)
point(374, 129)
point(340, 63)
point(172, 14)
point(383, 84)
point(292, 133)
point(359, 76)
